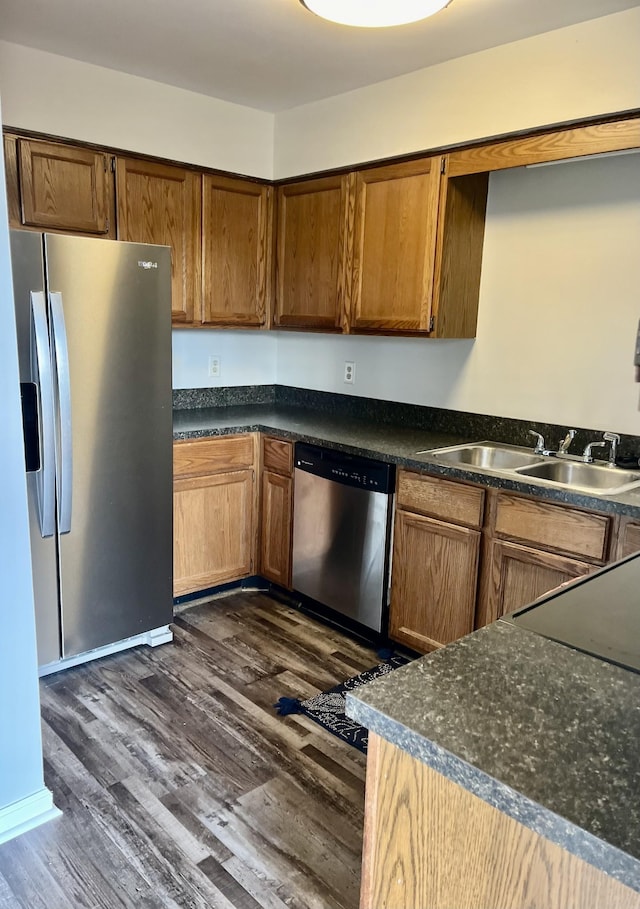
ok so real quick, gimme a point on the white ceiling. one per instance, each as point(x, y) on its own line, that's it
point(273, 54)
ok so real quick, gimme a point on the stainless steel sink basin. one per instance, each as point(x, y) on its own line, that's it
point(489, 455)
point(588, 477)
point(515, 462)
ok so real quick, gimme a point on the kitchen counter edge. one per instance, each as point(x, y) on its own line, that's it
point(395, 445)
point(531, 727)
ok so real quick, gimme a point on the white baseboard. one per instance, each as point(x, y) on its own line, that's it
point(152, 638)
point(26, 814)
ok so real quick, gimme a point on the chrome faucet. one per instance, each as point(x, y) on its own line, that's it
point(540, 446)
point(614, 438)
point(563, 446)
point(587, 457)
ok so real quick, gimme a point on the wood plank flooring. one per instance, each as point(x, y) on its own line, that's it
point(180, 785)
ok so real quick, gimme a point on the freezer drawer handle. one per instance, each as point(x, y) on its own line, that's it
point(64, 449)
point(41, 364)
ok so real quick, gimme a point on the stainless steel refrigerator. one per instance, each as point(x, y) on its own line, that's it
point(94, 346)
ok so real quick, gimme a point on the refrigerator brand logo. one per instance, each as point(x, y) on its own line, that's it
point(143, 264)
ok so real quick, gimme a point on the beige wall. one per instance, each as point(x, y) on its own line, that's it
point(559, 305)
point(559, 300)
point(52, 94)
point(579, 71)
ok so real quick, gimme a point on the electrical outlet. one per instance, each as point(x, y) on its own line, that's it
point(214, 367)
point(349, 372)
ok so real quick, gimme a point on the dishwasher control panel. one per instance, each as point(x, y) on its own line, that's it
point(351, 470)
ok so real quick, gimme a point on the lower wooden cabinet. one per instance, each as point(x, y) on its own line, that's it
point(628, 540)
point(433, 591)
point(275, 528)
point(533, 546)
point(517, 575)
point(463, 555)
point(276, 512)
point(548, 526)
point(214, 512)
point(436, 548)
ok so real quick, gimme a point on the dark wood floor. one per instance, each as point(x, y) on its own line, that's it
point(180, 785)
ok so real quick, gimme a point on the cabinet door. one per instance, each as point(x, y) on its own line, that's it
point(312, 277)
point(394, 246)
point(213, 530)
point(236, 251)
point(161, 204)
point(275, 528)
point(64, 188)
point(517, 575)
point(433, 588)
point(628, 540)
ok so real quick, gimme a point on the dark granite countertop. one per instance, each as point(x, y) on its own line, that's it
point(546, 734)
point(397, 444)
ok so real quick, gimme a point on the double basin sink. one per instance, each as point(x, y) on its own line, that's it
point(509, 460)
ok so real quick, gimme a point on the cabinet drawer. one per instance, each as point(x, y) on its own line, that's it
point(440, 498)
point(204, 456)
point(277, 455)
point(552, 526)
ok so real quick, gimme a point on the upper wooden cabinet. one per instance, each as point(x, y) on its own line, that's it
point(58, 187)
point(312, 277)
point(544, 147)
point(394, 246)
point(458, 262)
point(13, 187)
point(236, 251)
point(161, 204)
point(392, 250)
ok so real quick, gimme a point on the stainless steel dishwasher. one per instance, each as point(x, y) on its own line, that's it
point(341, 534)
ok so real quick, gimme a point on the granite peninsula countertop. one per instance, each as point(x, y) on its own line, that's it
point(544, 733)
point(397, 444)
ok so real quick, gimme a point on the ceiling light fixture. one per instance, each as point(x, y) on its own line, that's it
point(374, 13)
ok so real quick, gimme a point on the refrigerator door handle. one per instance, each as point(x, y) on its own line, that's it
point(41, 360)
point(64, 461)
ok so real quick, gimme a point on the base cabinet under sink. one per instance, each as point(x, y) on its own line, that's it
point(435, 560)
point(465, 555)
point(433, 591)
point(516, 575)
